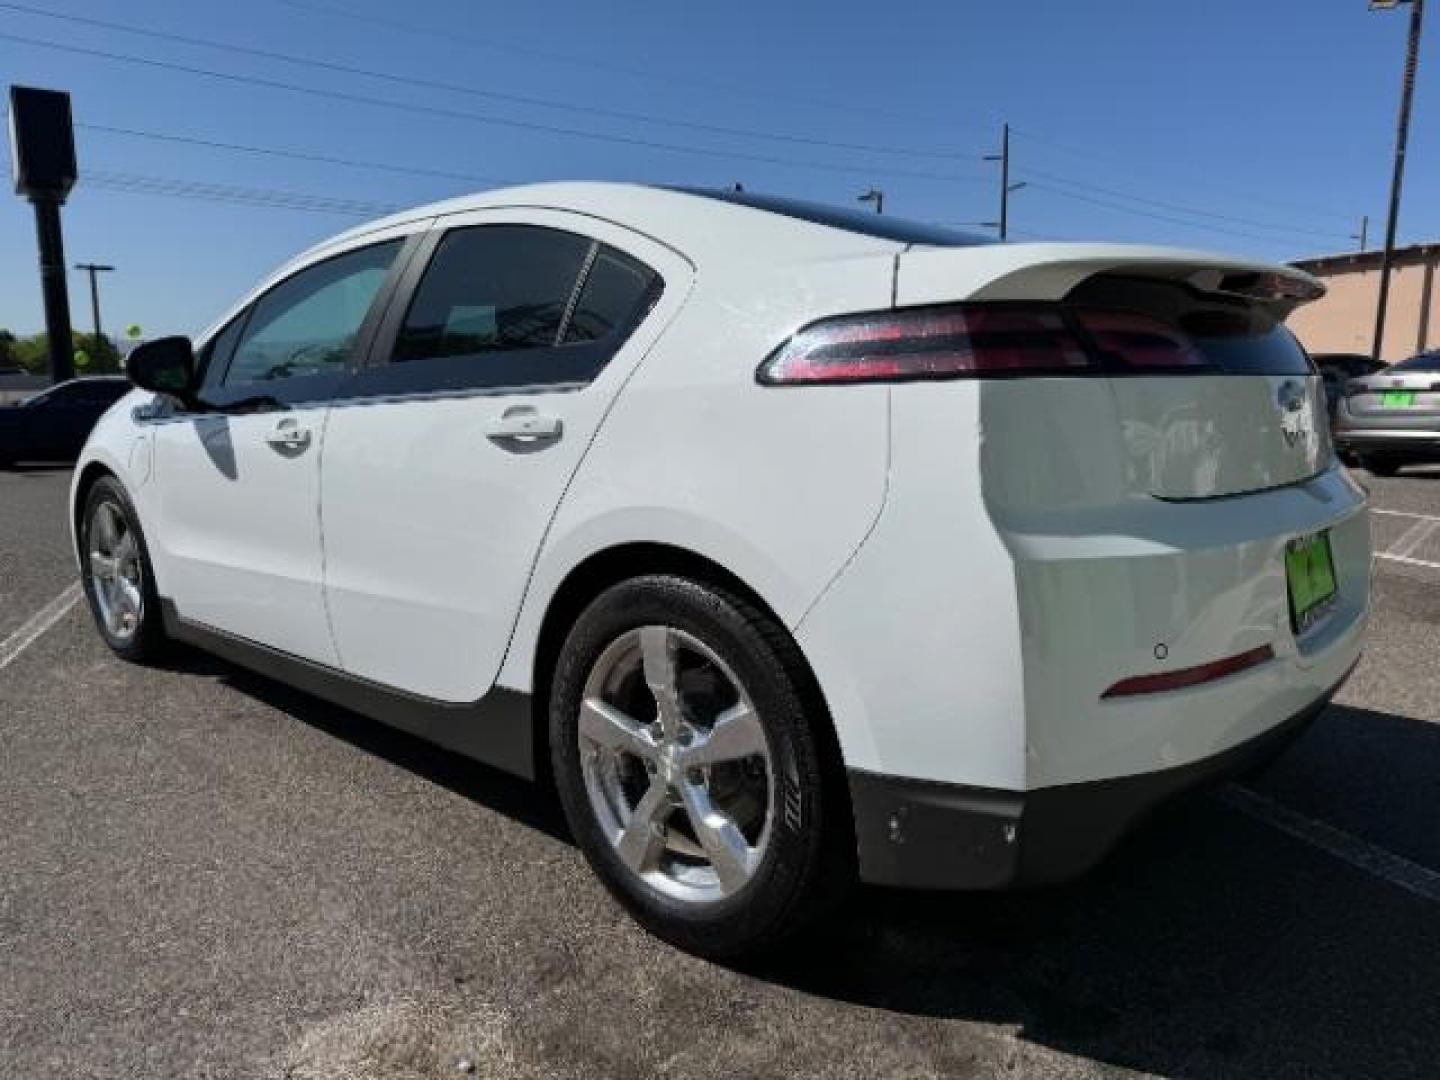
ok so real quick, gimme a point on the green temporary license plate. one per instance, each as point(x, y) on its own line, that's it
point(1310, 575)
point(1397, 399)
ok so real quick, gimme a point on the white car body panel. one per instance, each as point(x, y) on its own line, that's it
point(801, 477)
point(431, 528)
point(237, 530)
point(965, 565)
point(237, 537)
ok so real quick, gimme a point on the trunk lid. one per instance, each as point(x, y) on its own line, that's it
point(1211, 395)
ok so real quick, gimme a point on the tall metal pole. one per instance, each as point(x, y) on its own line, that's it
point(1364, 232)
point(1004, 180)
point(53, 289)
point(1402, 136)
point(92, 269)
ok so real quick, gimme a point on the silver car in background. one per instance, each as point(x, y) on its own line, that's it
point(1392, 418)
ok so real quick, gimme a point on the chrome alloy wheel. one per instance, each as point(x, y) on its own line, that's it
point(115, 572)
point(676, 764)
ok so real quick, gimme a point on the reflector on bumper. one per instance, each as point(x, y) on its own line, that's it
point(1191, 676)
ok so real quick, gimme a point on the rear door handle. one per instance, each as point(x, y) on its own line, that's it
point(288, 436)
point(523, 426)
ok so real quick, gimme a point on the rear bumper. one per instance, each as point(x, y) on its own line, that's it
point(1401, 441)
point(922, 834)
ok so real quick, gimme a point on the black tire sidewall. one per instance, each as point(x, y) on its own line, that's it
point(765, 908)
point(147, 641)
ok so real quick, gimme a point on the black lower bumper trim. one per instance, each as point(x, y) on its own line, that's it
point(926, 835)
point(1425, 448)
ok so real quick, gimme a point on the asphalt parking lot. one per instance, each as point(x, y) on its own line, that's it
point(204, 874)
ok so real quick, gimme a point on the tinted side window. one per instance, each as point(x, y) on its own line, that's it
point(1423, 362)
point(64, 394)
point(307, 325)
point(616, 291)
point(214, 358)
point(109, 391)
point(492, 288)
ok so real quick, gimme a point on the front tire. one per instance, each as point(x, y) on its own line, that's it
point(1381, 465)
point(115, 571)
point(690, 769)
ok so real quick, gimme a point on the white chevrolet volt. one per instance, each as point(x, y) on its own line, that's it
point(796, 545)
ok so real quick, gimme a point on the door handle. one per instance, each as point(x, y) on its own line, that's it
point(523, 426)
point(288, 436)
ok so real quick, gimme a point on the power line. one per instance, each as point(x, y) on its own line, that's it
point(296, 155)
point(1192, 211)
point(142, 184)
point(492, 95)
point(451, 36)
point(268, 198)
point(1199, 226)
point(480, 118)
point(1101, 156)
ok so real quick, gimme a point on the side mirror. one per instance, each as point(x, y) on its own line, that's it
point(166, 366)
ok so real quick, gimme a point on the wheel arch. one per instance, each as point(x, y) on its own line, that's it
point(85, 479)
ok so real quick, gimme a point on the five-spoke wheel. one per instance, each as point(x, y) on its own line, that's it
point(116, 573)
point(114, 558)
point(686, 754)
point(676, 764)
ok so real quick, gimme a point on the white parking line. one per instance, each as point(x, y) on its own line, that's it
point(37, 624)
point(1376, 861)
point(1404, 513)
point(1407, 560)
point(1412, 538)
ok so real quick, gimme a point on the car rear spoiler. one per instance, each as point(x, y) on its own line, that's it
point(926, 275)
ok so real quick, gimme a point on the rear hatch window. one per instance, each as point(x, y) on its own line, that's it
point(1214, 395)
point(1171, 325)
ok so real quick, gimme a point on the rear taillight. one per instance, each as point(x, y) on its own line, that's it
point(928, 343)
point(1134, 342)
point(979, 341)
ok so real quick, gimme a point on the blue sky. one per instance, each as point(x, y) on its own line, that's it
point(1261, 127)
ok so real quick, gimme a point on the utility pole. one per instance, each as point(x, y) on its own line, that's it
point(92, 269)
point(1402, 136)
point(1364, 232)
point(1006, 187)
point(876, 196)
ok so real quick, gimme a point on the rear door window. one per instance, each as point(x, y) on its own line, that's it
point(515, 306)
point(618, 290)
point(490, 289)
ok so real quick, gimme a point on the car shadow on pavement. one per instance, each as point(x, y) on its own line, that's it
point(530, 803)
point(37, 468)
point(1209, 945)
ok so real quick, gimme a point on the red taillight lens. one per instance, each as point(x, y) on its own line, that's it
point(1191, 676)
point(928, 343)
point(1134, 342)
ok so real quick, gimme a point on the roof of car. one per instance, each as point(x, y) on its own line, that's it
point(696, 221)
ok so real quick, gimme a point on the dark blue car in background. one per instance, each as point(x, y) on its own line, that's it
point(54, 424)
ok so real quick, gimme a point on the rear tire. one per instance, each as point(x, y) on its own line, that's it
point(116, 574)
point(721, 859)
point(1381, 465)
